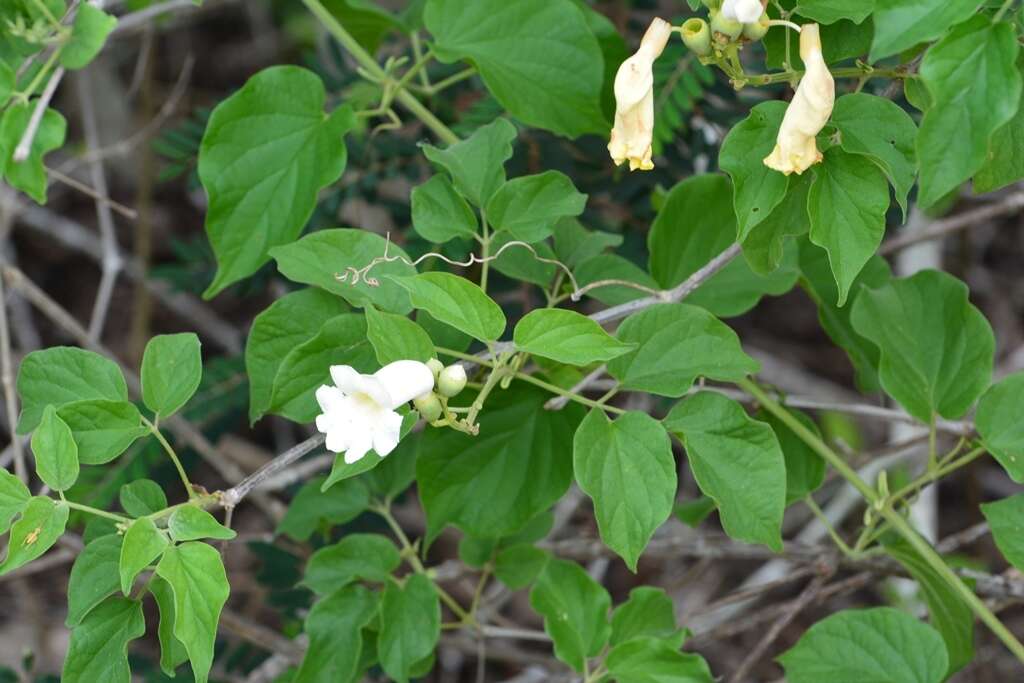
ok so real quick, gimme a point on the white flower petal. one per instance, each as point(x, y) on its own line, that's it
point(346, 378)
point(387, 434)
point(359, 446)
point(336, 441)
point(328, 397)
point(745, 11)
point(404, 380)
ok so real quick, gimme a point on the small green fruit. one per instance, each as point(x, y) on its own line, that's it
point(755, 31)
point(697, 36)
point(451, 381)
point(730, 28)
point(429, 406)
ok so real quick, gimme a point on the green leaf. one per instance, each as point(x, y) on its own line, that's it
point(695, 224)
point(14, 496)
point(567, 337)
point(196, 576)
point(88, 34)
point(653, 660)
point(284, 325)
point(62, 374)
point(517, 566)
point(537, 57)
point(936, 347)
point(1006, 519)
point(341, 470)
point(975, 86)
point(820, 285)
point(192, 523)
point(575, 244)
point(491, 485)
point(456, 301)
point(267, 151)
point(627, 469)
point(831, 11)
point(880, 644)
point(999, 424)
point(29, 175)
point(56, 454)
point(847, 203)
point(341, 341)
point(410, 617)
point(1003, 165)
point(395, 473)
point(520, 263)
point(7, 84)
point(528, 207)
point(321, 258)
point(142, 497)
point(676, 343)
point(575, 610)
point(950, 615)
point(881, 130)
point(647, 612)
point(693, 512)
point(370, 557)
point(335, 629)
point(364, 20)
point(98, 650)
point(439, 213)
point(395, 337)
point(766, 247)
point(41, 523)
point(102, 429)
point(172, 368)
point(477, 164)
point(900, 25)
point(143, 544)
point(805, 469)
point(172, 651)
point(313, 506)
point(737, 462)
point(757, 189)
point(839, 41)
point(94, 576)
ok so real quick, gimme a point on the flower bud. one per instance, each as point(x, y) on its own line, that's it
point(729, 28)
point(451, 381)
point(755, 31)
point(429, 406)
point(435, 366)
point(697, 36)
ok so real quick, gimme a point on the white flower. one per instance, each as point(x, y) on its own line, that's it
point(359, 411)
point(743, 11)
point(796, 149)
point(634, 100)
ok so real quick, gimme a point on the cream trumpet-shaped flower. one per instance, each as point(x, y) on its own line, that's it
point(359, 411)
point(634, 100)
point(743, 11)
point(796, 149)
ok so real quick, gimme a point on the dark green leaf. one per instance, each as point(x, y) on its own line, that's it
point(456, 301)
point(647, 612)
point(98, 650)
point(627, 469)
point(530, 206)
point(94, 576)
point(900, 25)
point(312, 507)
point(41, 523)
point(14, 496)
point(142, 497)
point(395, 337)
point(766, 246)
point(88, 34)
point(267, 151)
point(477, 164)
point(335, 630)
point(172, 651)
point(653, 660)
point(143, 544)
point(55, 451)
point(517, 566)
point(439, 213)
point(367, 22)
point(1006, 519)
point(172, 368)
point(370, 557)
point(102, 429)
point(575, 610)
point(410, 617)
point(1003, 165)
point(29, 175)
point(676, 343)
point(936, 347)
point(831, 11)
point(999, 424)
point(737, 462)
point(805, 469)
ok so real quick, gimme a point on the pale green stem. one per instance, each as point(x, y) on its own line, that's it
point(174, 457)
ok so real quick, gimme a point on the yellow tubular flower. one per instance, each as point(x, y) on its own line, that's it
point(796, 150)
point(634, 100)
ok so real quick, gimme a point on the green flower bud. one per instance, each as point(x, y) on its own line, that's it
point(729, 28)
point(429, 406)
point(697, 36)
point(713, 5)
point(755, 31)
point(451, 381)
point(435, 366)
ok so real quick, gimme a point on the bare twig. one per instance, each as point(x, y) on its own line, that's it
point(559, 402)
point(24, 148)
point(234, 495)
point(130, 22)
point(111, 262)
point(125, 211)
point(794, 608)
point(940, 228)
point(10, 398)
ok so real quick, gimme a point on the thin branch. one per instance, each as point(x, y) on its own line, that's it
point(559, 402)
point(940, 228)
point(111, 262)
point(234, 495)
point(125, 211)
point(135, 20)
point(24, 148)
point(10, 398)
